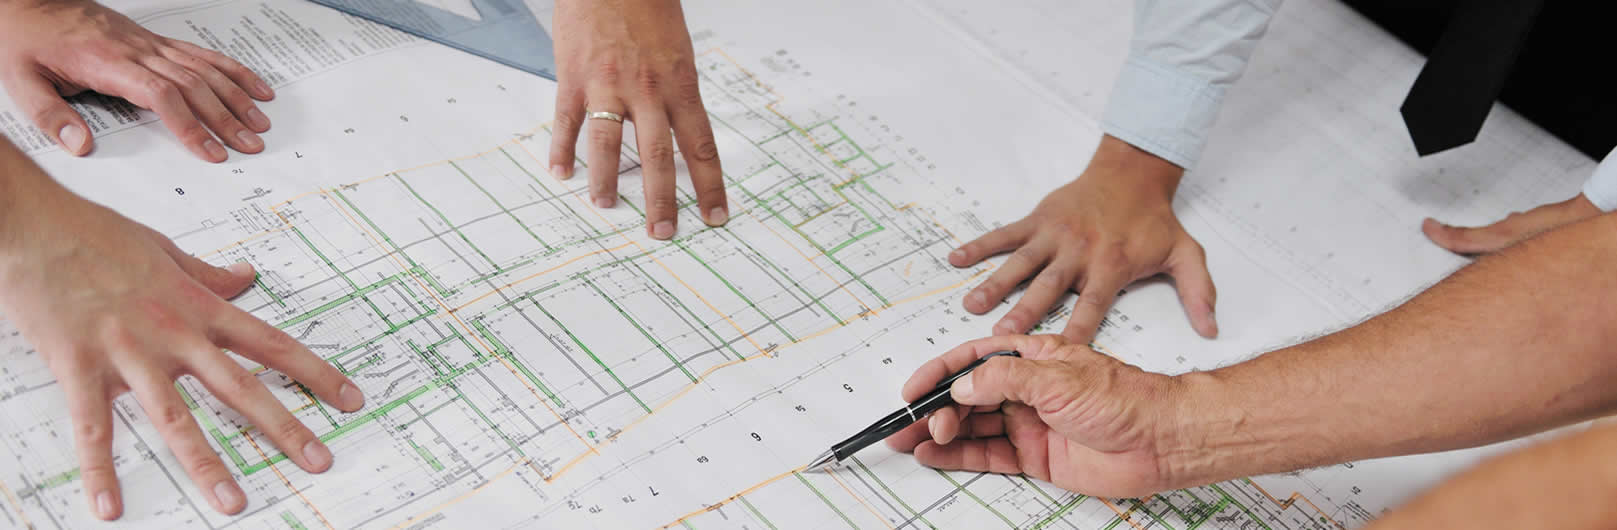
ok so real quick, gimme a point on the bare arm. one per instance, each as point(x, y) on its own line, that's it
point(1567, 484)
point(1517, 343)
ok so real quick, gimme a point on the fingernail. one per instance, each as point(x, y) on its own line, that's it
point(560, 172)
point(257, 119)
point(932, 428)
point(961, 389)
point(603, 202)
point(240, 268)
point(316, 454)
point(263, 89)
point(228, 495)
point(214, 150)
point(350, 397)
point(105, 505)
point(72, 137)
point(1009, 324)
point(977, 298)
point(249, 140)
point(662, 230)
point(718, 216)
point(957, 255)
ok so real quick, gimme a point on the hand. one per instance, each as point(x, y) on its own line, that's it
point(633, 58)
point(1062, 413)
point(1113, 225)
point(114, 306)
point(55, 48)
point(1512, 229)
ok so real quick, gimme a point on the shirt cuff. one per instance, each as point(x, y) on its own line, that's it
point(1164, 111)
point(1601, 189)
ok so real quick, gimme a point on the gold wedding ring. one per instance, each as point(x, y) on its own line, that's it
point(604, 115)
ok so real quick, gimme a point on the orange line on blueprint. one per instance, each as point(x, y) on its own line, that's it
point(440, 507)
point(732, 498)
point(13, 497)
point(811, 262)
point(479, 338)
point(288, 483)
point(536, 275)
point(833, 475)
point(1295, 495)
point(1122, 514)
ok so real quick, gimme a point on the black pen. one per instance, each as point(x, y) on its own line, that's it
point(916, 411)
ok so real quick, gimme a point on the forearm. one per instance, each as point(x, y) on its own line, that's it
point(1516, 343)
point(1567, 484)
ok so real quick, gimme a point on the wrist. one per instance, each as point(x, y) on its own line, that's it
point(1220, 430)
point(25, 191)
point(1117, 159)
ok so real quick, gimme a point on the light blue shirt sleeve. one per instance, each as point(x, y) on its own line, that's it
point(1601, 188)
point(1184, 55)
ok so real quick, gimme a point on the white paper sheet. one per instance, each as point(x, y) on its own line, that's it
point(532, 361)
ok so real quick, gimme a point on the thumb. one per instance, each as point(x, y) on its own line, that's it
point(1477, 240)
point(39, 100)
point(1511, 229)
point(1188, 267)
point(227, 281)
point(1003, 379)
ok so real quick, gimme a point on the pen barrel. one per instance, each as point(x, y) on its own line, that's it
point(916, 411)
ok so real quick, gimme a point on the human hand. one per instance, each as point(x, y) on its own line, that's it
point(1061, 413)
point(55, 48)
point(115, 307)
point(1113, 225)
point(633, 58)
point(1512, 229)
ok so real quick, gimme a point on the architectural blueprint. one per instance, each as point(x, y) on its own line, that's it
point(532, 361)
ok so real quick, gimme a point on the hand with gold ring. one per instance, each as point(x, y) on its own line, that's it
point(632, 60)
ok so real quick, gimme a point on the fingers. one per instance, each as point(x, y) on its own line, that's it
point(694, 133)
point(994, 455)
point(179, 430)
point(927, 376)
point(1002, 239)
point(944, 424)
point(907, 438)
point(564, 131)
point(1023, 263)
point(36, 97)
point(1100, 291)
point(227, 281)
point(1042, 293)
point(206, 105)
point(88, 403)
point(1027, 432)
point(243, 392)
point(227, 90)
point(1198, 296)
point(1004, 379)
point(146, 89)
point(657, 167)
point(605, 140)
point(242, 76)
point(1512, 229)
point(240, 332)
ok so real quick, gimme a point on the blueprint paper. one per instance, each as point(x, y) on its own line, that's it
point(532, 361)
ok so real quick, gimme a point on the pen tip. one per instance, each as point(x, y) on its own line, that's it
point(826, 458)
